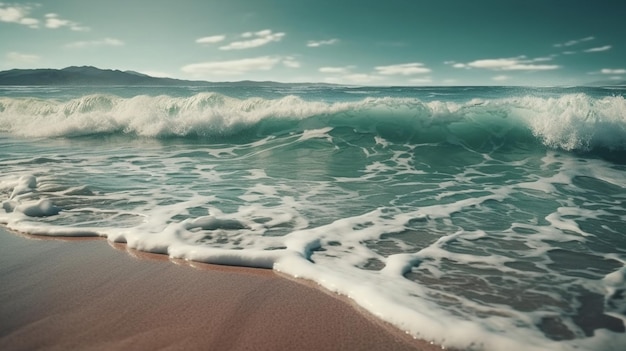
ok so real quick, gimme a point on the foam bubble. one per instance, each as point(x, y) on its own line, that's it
point(41, 208)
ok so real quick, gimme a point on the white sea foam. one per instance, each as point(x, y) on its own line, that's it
point(25, 184)
point(41, 208)
point(387, 294)
point(399, 204)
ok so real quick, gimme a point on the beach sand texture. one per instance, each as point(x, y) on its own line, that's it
point(83, 294)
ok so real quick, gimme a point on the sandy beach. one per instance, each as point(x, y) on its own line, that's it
point(89, 294)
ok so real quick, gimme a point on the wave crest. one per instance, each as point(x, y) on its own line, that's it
point(577, 122)
point(569, 122)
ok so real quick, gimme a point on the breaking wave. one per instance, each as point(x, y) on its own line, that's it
point(573, 122)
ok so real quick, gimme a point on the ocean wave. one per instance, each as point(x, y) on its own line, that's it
point(569, 122)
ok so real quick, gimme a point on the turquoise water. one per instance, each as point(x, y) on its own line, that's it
point(475, 217)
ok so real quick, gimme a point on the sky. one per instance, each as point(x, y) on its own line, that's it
point(361, 42)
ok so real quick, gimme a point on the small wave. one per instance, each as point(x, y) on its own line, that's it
point(569, 122)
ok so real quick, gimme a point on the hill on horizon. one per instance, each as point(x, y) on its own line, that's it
point(83, 75)
point(89, 75)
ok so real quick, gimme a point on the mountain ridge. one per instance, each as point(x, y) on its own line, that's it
point(90, 75)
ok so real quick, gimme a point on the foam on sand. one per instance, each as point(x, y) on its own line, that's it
point(83, 294)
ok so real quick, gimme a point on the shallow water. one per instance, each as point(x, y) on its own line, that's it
point(498, 211)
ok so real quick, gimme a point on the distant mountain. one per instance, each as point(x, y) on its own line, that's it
point(85, 75)
point(88, 75)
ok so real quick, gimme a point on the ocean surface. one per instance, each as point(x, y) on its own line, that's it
point(483, 218)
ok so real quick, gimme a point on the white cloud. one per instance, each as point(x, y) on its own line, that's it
point(543, 59)
point(362, 78)
point(569, 52)
point(31, 22)
point(613, 71)
point(355, 78)
point(233, 67)
point(17, 14)
point(510, 64)
point(344, 75)
point(405, 69)
point(259, 38)
point(493, 63)
point(211, 40)
point(21, 58)
point(425, 80)
point(573, 42)
point(318, 43)
point(93, 43)
point(500, 78)
point(599, 49)
point(336, 70)
point(291, 62)
point(53, 21)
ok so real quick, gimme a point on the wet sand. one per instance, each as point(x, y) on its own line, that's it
point(85, 294)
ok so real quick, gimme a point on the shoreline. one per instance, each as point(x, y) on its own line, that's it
point(60, 293)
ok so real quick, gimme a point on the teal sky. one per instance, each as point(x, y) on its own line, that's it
point(364, 42)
